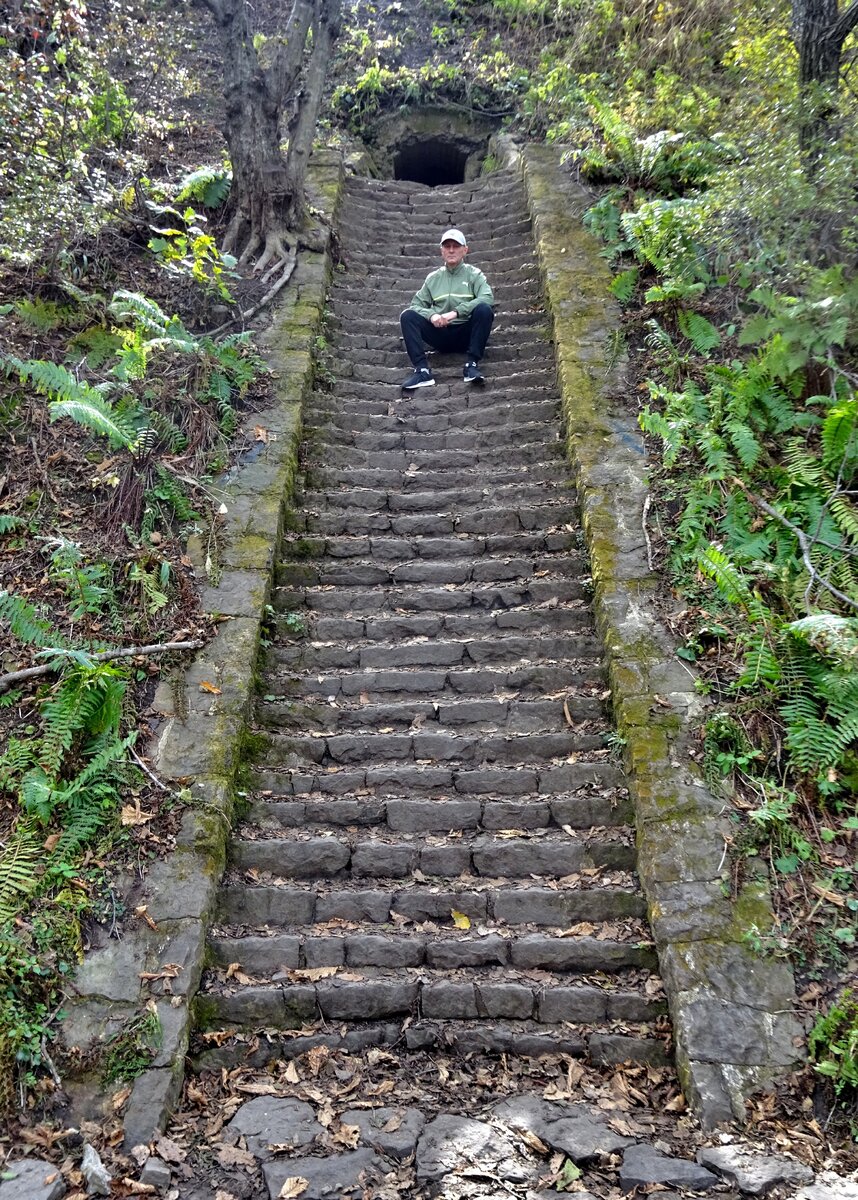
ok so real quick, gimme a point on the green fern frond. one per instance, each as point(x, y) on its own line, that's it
point(8, 522)
point(97, 416)
point(18, 864)
point(840, 434)
point(27, 624)
point(744, 442)
point(701, 333)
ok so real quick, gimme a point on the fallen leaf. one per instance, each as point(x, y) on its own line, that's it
point(295, 1185)
point(50, 842)
point(132, 814)
point(211, 688)
point(142, 911)
point(220, 1194)
point(119, 1099)
point(317, 1056)
point(261, 434)
point(136, 1188)
point(234, 1156)
point(232, 969)
point(460, 920)
point(346, 1135)
point(531, 1139)
point(167, 1149)
point(311, 974)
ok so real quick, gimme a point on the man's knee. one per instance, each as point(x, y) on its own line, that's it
point(409, 319)
point(483, 310)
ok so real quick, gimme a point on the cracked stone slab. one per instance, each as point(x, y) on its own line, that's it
point(31, 1179)
point(644, 1165)
point(392, 1131)
point(573, 1128)
point(339, 1175)
point(267, 1121)
point(450, 1144)
point(752, 1171)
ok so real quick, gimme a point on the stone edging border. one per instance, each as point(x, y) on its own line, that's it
point(159, 960)
point(733, 1011)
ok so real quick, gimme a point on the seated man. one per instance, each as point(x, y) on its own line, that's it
point(452, 311)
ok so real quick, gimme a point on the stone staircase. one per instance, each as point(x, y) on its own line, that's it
point(437, 847)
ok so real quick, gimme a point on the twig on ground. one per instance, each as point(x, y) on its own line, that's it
point(6, 681)
point(644, 515)
point(281, 282)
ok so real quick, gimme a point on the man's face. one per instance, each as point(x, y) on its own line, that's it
point(452, 253)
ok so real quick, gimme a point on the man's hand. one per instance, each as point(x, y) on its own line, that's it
point(442, 320)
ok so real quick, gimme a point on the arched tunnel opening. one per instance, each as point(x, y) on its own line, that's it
point(431, 161)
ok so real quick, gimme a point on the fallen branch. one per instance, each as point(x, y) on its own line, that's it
point(804, 544)
point(13, 677)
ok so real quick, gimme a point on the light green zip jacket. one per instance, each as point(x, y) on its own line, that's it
point(462, 289)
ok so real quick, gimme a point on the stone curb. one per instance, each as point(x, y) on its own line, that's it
point(732, 1010)
point(205, 716)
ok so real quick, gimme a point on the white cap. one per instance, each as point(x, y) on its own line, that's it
point(453, 235)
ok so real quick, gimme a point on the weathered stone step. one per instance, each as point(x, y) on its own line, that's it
point(379, 993)
point(510, 519)
point(474, 498)
point(550, 854)
point(425, 625)
point(596, 801)
point(538, 460)
point(464, 1038)
point(523, 678)
point(347, 749)
point(502, 903)
point(504, 450)
point(435, 442)
point(527, 373)
point(261, 957)
point(383, 423)
point(488, 714)
point(398, 778)
point(460, 597)
point(450, 394)
point(464, 651)
point(488, 569)
point(422, 546)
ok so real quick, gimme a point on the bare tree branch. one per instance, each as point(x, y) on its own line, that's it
point(804, 544)
point(846, 22)
point(13, 677)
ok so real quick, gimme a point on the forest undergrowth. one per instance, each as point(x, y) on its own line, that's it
point(734, 248)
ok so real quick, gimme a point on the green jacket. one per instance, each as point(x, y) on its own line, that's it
point(462, 289)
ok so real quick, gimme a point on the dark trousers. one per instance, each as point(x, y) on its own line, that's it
point(470, 336)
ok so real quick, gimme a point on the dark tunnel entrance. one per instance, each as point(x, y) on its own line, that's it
point(432, 161)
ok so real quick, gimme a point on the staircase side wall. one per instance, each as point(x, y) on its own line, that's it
point(732, 1010)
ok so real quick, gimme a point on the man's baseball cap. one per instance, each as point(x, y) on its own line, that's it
point(453, 235)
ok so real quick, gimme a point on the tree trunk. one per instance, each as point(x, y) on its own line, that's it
point(819, 31)
point(262, 203)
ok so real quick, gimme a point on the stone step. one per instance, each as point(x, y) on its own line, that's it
point(504, 451)
point(487, 714)
point(509, 519)
point(525, 678)
point(399, 626)
point(398, 778)
point(435, 442)
point(475, 499)
point(497, 650)
point(548, 854)
point(488, 569)
point(458, 598)
point(388, 901)
point(384, 423)
point(450, 394)
point(597, 801)
point(376, 993)
point(355, 749)
point(260, 957)
point(422, 546)
point(463, 1038)
point(537, 461)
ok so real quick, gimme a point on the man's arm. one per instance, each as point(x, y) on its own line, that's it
point(423, 302)
point(482, 295)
